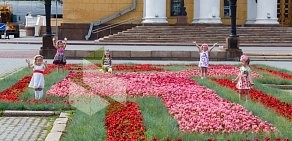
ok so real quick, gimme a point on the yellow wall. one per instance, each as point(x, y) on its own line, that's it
point(75, 11)
point(59, 21)
point(189, 5)
point(88, 11)
point(241, 13)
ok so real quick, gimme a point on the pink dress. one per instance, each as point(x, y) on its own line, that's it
point(244, 81)
point(60, 58)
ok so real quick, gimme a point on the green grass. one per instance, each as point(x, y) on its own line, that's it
point(161, 125)
point(272, 79)
point(83, 127)
point(177, 67)
point(273, 68)
point(268, 78)
point(157, 120)
point(33, 106)
point(275, 92)
point(50, 80)
point(12, 79)
point(281, 123)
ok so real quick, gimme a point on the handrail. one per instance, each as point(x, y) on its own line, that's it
point(123, 12)
point(116, 24)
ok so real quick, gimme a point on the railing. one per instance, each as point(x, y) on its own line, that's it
point(109, 27)
point(123, 12)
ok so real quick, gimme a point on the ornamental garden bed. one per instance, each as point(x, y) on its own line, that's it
point(158, 102)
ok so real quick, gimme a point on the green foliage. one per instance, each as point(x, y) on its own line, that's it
point(275, 92)
point(33, 106)
point(177, 67)
point(11, 79)
point(273, 68)
point(83, 127)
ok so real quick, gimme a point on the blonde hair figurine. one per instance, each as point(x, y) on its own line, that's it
point(106, 62)
point(37, 81)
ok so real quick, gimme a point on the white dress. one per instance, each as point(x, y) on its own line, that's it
point(204, 59)
point(37, 80)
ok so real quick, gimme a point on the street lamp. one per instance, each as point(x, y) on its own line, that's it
point(48, 17)
point(56, 19)
point(233, 51)
point(48, 50)
point(233, 18)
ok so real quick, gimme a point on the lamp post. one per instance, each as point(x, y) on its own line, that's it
point(48, 50)
point(233, 18)
point(233, 50)
point(57, 20)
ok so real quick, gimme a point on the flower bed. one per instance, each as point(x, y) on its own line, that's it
point(196, 108)
point(124, 122)
point(12, 93)
point(277, 73)
point(214, 71)
point(282, 108)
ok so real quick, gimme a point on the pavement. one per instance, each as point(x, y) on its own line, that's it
point(14, 51)
point(24, 128)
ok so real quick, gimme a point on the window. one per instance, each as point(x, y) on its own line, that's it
point(227, 11)
point(177, 8)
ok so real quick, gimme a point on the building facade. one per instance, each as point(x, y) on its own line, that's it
point(166, 11)
point(78, 16)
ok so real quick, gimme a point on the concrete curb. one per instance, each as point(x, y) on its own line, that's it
point(59, 127)
point(10, 113)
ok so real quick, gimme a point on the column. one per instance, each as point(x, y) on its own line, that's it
point(155, 11)
point(266, 12)
point(251, 11)
point(207, 11)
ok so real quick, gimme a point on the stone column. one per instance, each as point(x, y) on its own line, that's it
point(155, 11)
point(251, 11)
point(207, 11)
point(266, 12)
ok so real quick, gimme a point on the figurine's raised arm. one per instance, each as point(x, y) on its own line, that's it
point(199, 48)
point(213, 46)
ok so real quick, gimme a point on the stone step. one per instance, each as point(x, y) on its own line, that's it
point(260, 42)
point(271, 57)
point(242, 38)
point(269, 54)
point(184, 35)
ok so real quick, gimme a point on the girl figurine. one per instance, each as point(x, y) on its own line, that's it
point(106, 62)
point(37, 81)
point(60, 58)
point(204, 58)
point(244, 81)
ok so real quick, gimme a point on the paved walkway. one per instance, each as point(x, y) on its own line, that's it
point(24, 128)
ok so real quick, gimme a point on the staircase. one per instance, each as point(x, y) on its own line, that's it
point(184, 35)
point(257, 56)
